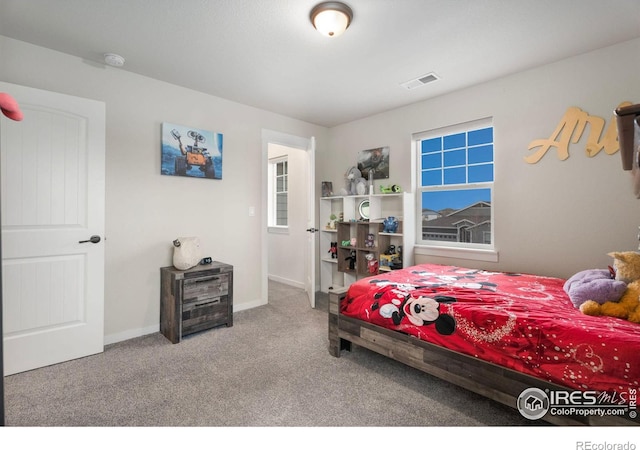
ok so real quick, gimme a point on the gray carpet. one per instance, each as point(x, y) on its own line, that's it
point(272, 368)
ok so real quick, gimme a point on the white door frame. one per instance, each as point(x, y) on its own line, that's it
point(287, 140)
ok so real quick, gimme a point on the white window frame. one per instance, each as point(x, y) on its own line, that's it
point(461, 250)
point(273, 194)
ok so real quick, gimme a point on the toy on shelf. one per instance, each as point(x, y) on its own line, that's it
point(354, 183)
point(372, 263)
point(391, 259)
point(352, 260)
point(391, 189)
point(369, 240)
point(334, 250)
point(331, 225)
point(390, 225)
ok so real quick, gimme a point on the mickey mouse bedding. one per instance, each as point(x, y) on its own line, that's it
point(520, 321)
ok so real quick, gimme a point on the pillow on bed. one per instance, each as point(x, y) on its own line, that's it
point(594, 284)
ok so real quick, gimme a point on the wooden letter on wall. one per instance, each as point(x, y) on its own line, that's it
point(573, 123)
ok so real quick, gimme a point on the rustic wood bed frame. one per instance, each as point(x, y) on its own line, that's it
point(487, 379)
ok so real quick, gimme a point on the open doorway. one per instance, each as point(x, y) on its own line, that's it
point(287, 204)
point(289, 212)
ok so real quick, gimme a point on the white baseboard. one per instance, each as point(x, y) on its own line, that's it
point(131, 334)
point(249, 305)
point(286, 281)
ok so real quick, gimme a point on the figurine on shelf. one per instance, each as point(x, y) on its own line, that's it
point(352, 260)
point(369, 240)
point(391, 189)
point(396, 262)
point(372, 263)
point(334, 250)
point(390, 225)
point(331, 225)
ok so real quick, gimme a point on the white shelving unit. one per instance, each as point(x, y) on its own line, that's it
point(335, 272)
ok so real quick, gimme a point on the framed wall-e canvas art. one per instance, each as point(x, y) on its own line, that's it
point(375, 160)
point(191, 152)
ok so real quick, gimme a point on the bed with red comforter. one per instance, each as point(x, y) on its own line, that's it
point(525, 324)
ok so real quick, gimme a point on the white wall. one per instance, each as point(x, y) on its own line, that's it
point(555, 217)
point(287, 247)
point(145, 211)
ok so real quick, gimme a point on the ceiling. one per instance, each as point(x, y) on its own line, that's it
point(266, 53)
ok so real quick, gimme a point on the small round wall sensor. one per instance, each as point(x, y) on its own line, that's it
point(113, 60)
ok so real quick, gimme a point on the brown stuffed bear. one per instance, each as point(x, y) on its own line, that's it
point(627, 267)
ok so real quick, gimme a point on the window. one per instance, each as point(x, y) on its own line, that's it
point(455, 186)
point(278, 192)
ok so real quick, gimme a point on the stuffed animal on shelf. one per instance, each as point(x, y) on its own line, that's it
point(369, 240)
point(334, 250)
point(627, 269)
point(352, 260)
point(372, 263)
point(354, 183)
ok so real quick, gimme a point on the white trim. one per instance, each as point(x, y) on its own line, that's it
point(279, 229)
point(476, 254)
point(287, 140)
point(471, 250)
point(272, 187)
point(286, 281)
point(131, 334)
point(472, 125)
point(139, 332)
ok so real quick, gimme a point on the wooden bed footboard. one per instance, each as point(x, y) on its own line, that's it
point(484, 378)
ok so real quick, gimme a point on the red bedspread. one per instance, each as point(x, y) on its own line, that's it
point(520, 321)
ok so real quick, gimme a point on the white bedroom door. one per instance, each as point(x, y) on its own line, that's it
point(310, 269)
point(52, 229)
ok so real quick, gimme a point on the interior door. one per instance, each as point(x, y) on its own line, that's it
point(52, 229)
point(310, 270)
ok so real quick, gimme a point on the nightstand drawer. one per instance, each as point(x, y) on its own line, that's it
point(197, 316)
point(196, 289)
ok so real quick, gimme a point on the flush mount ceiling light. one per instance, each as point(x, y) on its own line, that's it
point(331, 18)
point(113, 60)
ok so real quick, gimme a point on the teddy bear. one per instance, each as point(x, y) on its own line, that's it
point(627, 269)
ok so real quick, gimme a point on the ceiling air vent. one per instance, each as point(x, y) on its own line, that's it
point(420, 81)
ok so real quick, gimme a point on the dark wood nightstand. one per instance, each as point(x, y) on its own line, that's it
point(195, 299)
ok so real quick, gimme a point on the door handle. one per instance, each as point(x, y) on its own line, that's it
point(93, 239)
point(312, 230)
